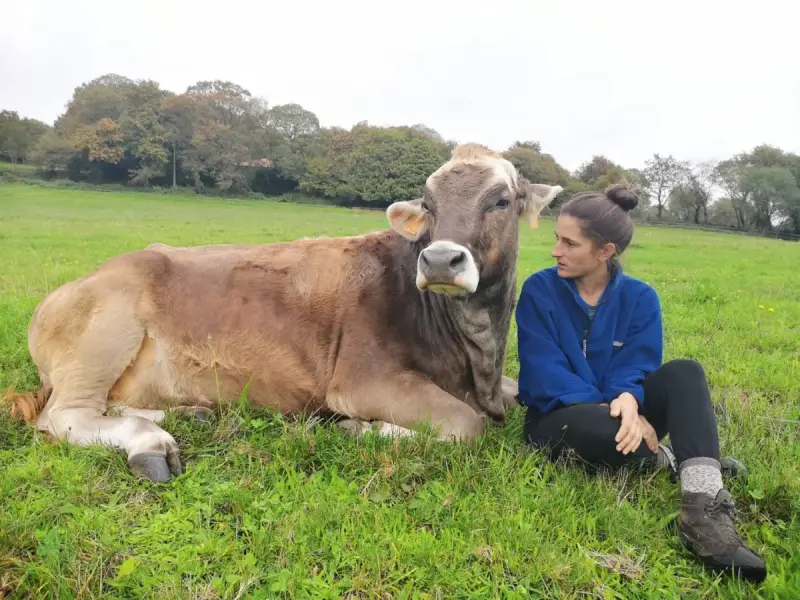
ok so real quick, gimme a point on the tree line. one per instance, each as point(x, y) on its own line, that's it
point(218, 138)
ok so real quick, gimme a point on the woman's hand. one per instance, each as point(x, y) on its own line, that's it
point(649, 435)
point(630, 432)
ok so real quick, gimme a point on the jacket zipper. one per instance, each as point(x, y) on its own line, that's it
point(586, 331)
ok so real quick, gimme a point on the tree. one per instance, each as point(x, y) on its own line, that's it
point(528, 144)
point(728, 175)
point(52, 152)
point(18, 136)
point(144, 133)
point(176, 117)
point(101, 142)
point(639, 179)
point(228, 101)
point(226, 131)
point(774, 194)
point(429, 132)
point(535, 166)
point(372, 165)
point(292, 121)
point(723, 214)
point(682, 203)
point(589, 172)
point(700, 181)
point(663, 175)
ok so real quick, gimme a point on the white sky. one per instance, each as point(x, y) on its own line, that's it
point(625, 78)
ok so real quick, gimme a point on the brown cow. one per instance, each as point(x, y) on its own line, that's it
point(399, 327)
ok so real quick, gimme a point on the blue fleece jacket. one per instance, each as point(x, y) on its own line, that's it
point(624, 344)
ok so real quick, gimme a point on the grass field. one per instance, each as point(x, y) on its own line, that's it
point(273, 508)
point(7, 167)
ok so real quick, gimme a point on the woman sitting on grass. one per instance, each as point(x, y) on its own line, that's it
point(590, 353)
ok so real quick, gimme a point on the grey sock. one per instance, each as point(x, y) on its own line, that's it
point(665, 459)
point(701, 475)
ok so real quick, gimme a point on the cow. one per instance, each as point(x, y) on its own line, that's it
point(390, 330)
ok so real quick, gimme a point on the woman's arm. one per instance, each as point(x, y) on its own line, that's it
point(641, 351)
point(545, 375)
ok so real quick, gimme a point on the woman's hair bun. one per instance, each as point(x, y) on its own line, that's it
point(624, 195)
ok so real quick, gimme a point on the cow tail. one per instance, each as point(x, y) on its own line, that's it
point(27, 405)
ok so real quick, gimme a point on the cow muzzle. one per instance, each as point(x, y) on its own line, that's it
point(447, 268)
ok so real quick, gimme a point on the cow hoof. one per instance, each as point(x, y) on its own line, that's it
point(509, 386)
point(202, 414)
point(150, 465)
point(195, 412)
point(354, 427)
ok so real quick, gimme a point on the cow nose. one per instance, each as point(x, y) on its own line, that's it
point(447, 266)
point(444, 259)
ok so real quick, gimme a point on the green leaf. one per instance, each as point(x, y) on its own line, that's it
point(126, 568)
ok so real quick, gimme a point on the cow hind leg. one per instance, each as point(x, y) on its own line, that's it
point(82, 373)
point(152, 452)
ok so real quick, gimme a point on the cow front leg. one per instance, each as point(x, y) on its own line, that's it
point(356, 427)
point(200, 413)
point(510, 391)
point(405, 402)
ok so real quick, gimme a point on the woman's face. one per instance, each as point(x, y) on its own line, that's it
point(576, 255)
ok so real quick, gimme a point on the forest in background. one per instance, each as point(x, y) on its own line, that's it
point(217, 138)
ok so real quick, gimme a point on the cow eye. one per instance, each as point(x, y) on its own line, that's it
point(502, 203)
point(425, 207)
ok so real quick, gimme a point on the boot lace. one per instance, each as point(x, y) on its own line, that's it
point(724, 512)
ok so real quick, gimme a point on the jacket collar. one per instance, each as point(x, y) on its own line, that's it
point(611, 288)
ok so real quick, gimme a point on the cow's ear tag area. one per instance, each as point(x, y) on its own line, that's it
point(408, 218)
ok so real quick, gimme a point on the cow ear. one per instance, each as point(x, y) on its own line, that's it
point(534, 197)
point(408, 218)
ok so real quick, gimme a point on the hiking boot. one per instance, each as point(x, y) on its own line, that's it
point(706, 526)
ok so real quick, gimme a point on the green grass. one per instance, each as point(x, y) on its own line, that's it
point(271, 508)
point(19, 167)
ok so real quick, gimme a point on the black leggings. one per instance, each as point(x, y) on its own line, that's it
point(676, 402)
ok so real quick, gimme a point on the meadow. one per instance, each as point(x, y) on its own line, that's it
point(271, 507)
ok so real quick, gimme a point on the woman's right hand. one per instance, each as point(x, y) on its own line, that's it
point(630, 432)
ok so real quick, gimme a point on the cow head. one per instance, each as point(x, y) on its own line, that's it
point(468, 218)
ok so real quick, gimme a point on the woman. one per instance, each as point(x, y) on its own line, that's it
point(590, 353)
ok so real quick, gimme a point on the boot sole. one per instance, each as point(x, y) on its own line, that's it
point(751, 573)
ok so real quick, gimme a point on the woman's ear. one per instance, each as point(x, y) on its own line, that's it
point(607, 251)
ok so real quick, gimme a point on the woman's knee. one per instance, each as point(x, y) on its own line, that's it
point(575, 427)
point(684, 368)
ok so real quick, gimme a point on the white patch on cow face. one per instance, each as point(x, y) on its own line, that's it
point(447, 267)
point(504, 171)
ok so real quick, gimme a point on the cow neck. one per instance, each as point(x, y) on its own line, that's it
point(478, 326)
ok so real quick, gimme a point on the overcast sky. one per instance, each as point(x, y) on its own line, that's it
point(626, 78)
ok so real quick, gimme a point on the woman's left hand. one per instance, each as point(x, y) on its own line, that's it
point(630, 432)
point(649, 435)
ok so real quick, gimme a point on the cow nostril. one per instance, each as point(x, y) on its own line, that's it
point(424, 259)
point(458, 260)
